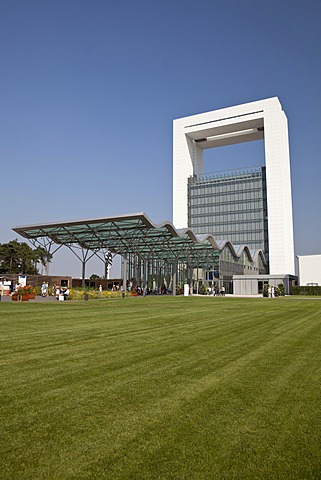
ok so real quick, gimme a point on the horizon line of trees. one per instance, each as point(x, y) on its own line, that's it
point(19, 258)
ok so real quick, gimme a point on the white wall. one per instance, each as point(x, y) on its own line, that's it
point(309, 269)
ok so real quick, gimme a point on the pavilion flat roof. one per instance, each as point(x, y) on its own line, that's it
point(133, 233)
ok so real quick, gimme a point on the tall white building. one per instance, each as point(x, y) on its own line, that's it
point(263, 119)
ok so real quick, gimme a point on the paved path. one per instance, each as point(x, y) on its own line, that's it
point(39, 298)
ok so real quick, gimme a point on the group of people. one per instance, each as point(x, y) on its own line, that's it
point(216, 292)
point(56, 291)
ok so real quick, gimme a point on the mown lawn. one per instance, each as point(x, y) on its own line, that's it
point(161, 388)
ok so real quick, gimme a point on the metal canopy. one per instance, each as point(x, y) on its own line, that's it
point(136, 234)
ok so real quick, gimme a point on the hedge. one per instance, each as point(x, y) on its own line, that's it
point(316, 290)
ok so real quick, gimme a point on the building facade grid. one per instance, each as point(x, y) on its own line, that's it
point(231, 206)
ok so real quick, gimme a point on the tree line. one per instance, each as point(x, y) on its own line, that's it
point(19, 257)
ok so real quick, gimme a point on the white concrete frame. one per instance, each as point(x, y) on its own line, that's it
point(263, 119)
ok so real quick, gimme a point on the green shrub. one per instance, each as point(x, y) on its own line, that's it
point(280, 290)
point(304, 290)
point(203, 290)
point(38, 290)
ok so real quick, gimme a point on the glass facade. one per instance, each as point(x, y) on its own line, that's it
point(229, 264)
point(216, 269)
point(230, 205)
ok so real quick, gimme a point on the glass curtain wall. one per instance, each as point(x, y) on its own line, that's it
point(230, 205)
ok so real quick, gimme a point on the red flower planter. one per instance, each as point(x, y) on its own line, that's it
point(20, 298)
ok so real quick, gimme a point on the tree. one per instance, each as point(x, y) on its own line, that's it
point(16, 257)
point(280, 290)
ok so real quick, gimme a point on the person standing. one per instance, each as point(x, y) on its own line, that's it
point(66, 293)
point(44, 289)
point(57, 292)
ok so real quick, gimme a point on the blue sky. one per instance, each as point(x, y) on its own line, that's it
point(89, 91)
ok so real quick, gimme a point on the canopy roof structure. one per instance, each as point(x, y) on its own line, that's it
point(134, 234)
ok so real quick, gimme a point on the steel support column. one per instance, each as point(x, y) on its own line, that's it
point(124, 272)
point(174, 276)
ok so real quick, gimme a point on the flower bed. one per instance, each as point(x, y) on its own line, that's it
point(79, 294)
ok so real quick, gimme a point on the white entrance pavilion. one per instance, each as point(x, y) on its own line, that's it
point(263, 119)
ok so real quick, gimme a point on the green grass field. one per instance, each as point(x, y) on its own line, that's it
point(161, 388)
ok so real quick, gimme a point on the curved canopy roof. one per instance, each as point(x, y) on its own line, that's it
point(135, 233)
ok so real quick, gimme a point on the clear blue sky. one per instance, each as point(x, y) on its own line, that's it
point(89, 90)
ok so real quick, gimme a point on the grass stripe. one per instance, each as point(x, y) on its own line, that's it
point(161, 388)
